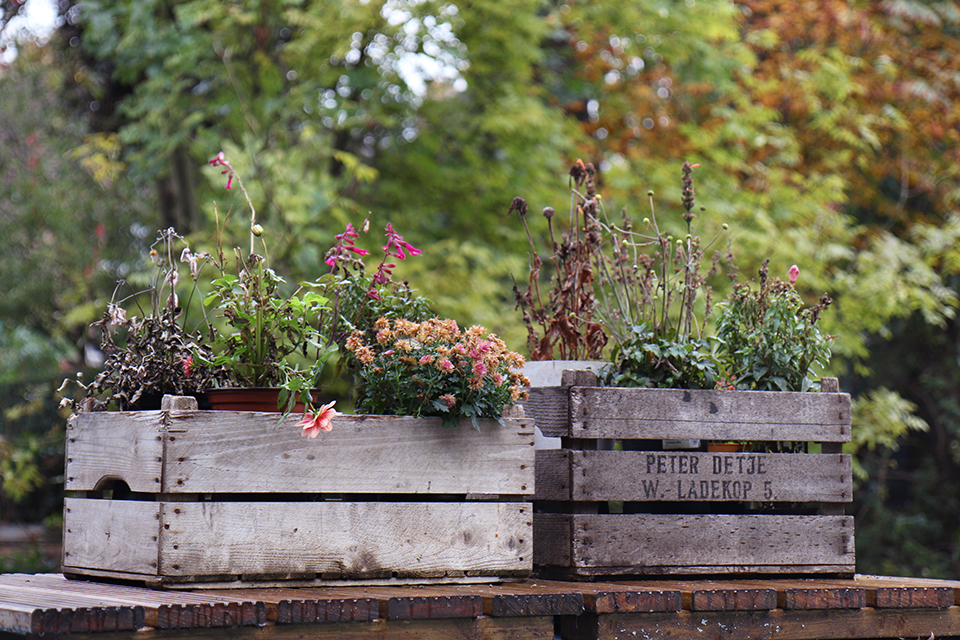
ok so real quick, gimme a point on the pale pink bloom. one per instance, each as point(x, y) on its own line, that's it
point(117, 314)
point(446, 365)
point(480, 369)
point(220, 160)
point(449, 400)
point(320, 421)
point(427, 359)
point(187, 366)
point(794, 274)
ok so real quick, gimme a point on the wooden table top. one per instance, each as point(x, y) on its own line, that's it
point(46, 605)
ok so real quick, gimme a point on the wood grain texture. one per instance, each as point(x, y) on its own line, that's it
point(691, 476)
point(528, 598)
point(815, 593)
point(618, 544)
point(161, 610)
point(428, 601)
point(345, 539)
point(710, 415)
point(305, 605)
point(549, 407)
point(126, 445)
point(248, 452)
point(784, 625)
point(121, 535)
point(905, 593)
point(553, 470)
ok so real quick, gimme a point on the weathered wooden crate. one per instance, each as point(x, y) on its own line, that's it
point(196, 499)
point(609, 503)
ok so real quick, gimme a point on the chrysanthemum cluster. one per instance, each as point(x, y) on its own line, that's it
point(433, 368)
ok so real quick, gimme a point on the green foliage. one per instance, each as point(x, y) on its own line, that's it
point(356, 311)
point(883, 418)
point(265, 329)
point(434, 369)
point(767, 342)
point(647, 359)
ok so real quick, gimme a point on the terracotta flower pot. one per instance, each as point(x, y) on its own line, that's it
point(249, 399)
point(723, 447)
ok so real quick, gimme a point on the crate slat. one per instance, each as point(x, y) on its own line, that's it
point(589, 544)
point(248, 452)
point(250, 541)
point(692, 476)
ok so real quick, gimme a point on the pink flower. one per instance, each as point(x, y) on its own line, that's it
point(187, 366)
point(480, 369)
point(320, 421)
point(396, 244)
point(446, 365)
point(794, 274)
point(220, 160)
point(427, 359)
point(449, 400)
point(345, 243)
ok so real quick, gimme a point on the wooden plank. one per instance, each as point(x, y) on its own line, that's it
point(839, 624)
point(732, 598)
point(553, 470)
point(619, 544)
point(251, 452)
point(483, 628)
point(710, 415)
point(159, 610)
point(906, 593)
point(815, 593)
point(415, 603)
point(552, 540)
point(612, 597)
point(118, 534)
point(163, 610)
point(719, 595)
point(107, 445)
point(345, 539)
point(309, 606)
point(550, 409)
point(30, 613)
point(679, 476)
point(529, 598)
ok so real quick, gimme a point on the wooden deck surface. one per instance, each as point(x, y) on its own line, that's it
point(50, 606)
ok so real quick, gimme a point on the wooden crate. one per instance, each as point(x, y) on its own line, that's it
point(216, 498)
point(609, 503)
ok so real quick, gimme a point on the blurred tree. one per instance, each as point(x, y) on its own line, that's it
point(72, 225)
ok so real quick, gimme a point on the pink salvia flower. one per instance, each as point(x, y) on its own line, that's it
point(312, 425)
point(396, 244)
point(794, 274)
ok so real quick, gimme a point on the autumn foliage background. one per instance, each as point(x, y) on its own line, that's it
point(826, 133)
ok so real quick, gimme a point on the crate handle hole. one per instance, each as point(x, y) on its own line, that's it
point(113, 487)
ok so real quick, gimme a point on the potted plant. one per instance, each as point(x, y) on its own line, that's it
point(433, 368)
point(268, 345)
point(152, 353)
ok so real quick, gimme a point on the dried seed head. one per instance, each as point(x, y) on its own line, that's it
point(519, 205)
